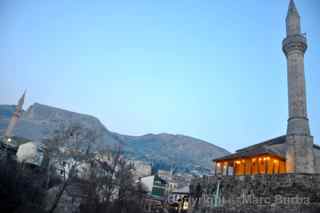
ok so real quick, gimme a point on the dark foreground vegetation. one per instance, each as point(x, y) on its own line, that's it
point(73, 180)
point(25, 189)
point(21, 190)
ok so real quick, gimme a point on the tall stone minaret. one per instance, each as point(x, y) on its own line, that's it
point(300, 158)
point(16, 115)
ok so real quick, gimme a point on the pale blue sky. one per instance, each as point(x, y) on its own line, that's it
point(209, 69)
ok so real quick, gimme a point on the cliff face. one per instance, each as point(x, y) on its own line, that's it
point(163, 150)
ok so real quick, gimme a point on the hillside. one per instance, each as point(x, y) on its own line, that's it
point(162, 150)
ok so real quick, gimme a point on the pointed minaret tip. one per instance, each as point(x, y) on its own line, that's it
point(21, 100)
point(292, 7)
point(24, 93)
point(292, 4)
point(293, 20)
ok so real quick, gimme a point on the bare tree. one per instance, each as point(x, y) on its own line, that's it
point(68, 151)
point(101, 184)
point(108, 163)
point(111, 187)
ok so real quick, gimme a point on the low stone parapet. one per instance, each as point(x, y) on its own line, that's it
point(266, 193)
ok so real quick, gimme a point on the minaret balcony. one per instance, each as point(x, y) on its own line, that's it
point(297, 42)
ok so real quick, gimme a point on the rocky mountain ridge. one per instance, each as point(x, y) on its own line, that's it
point(164, 150)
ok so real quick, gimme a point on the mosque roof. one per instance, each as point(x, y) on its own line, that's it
point(263, 148)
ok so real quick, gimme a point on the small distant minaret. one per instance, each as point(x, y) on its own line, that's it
point(300, 152)
point(16, 115)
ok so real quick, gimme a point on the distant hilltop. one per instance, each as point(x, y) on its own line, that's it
point(163, 151)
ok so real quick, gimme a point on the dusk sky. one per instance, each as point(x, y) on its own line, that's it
point(209, 69)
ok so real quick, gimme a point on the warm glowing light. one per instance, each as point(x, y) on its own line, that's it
point(259, 164)
point(185, 205)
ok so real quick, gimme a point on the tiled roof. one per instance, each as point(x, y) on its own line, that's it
point(258, 149)
point(273, 141)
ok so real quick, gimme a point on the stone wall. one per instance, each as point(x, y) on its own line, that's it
point(300, 154)
point(316, 152)
point(259, 193)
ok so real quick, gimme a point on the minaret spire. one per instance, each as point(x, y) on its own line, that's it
point(21, 101)
point(292, 6)
point(300, 157)
point(16, 115)
point(293, 19)
point(294, 46)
